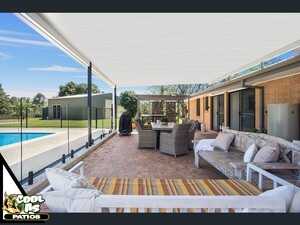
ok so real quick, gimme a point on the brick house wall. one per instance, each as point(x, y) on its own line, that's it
point(193, 110)
point(205, 115)
point(281, 91)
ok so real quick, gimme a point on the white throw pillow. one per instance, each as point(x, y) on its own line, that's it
point(285, 192)
point(250, 153)
point(71, 200)
point(204, 145)
point(60, 179)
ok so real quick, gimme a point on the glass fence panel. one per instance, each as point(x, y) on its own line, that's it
point(78, 128)
point(10, 136)
point(97, 123)
point(40, 140)
point(48, 139)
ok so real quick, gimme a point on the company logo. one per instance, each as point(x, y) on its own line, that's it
point(19, 207)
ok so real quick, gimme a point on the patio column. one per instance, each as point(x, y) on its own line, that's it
point(115, 108)
point(90, 104)
point(189, 108)
point(261, 107)
point(178, 111)
point(138, 108)
point(226, 109)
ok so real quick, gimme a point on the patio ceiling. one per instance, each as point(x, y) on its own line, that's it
point(136, 49)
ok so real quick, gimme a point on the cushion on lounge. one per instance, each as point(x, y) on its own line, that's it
point(295, 205)
point(223, 141)
point(250, 153)
point(60, 179)
point(285, 192)
point(204, 145)
point(71, 200)
point(268, 153)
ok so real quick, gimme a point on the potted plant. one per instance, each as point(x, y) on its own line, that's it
point(164, 121)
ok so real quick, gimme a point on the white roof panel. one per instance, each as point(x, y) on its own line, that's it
point(141, 49)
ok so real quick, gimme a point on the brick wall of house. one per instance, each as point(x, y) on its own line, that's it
point(205, 115)
point(193, 110)
point(281, 91)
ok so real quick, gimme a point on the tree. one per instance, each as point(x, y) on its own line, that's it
point(178, 89)
point(15, 106)
point(4, 101)
point(39, 100)
point(71, 88)
point(129, 102)
point(161, 89)
point(83, 89)
point(67, 89)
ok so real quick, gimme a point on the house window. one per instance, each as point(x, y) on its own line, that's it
point(198, 107)
point(206, 103)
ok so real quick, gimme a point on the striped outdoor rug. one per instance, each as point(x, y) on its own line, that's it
point(139, 186)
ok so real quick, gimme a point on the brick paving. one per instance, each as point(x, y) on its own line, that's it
point(120, 158)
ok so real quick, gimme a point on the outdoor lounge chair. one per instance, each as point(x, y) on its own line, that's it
point(147, 138)
point(176, 142)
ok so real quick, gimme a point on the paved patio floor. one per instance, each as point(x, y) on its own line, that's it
point(120, 158)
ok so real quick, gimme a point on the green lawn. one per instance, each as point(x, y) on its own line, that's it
point(37, 122)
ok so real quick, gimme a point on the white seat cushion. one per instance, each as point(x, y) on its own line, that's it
point(285, 192)
point(60, 179)
point(71, 200)
point(295, 205)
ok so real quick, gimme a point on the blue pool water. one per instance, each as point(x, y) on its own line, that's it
point(11, 138)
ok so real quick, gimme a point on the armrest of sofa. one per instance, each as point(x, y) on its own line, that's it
point(240, 169)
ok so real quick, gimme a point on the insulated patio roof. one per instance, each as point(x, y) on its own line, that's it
point(142, 49)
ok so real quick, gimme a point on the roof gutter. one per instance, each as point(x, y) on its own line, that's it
point(280, 70)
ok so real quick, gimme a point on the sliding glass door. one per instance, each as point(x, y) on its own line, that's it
point(242, 110)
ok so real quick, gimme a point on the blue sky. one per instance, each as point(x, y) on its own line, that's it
point(30, 64)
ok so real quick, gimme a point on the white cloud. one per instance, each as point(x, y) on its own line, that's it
point(57, 68)
point(4, 56)
point(14, 32)
point(26, 41)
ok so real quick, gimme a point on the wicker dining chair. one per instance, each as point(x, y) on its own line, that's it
point(147, 138)
point(176, 142)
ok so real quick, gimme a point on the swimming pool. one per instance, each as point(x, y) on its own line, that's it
point(11, 138)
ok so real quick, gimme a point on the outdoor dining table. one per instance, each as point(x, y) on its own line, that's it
point(158, 127)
